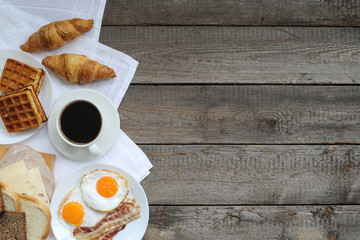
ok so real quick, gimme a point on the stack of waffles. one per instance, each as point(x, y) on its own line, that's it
point(20, 108)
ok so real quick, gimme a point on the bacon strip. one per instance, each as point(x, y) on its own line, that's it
point(109, 236)
point(114, 220)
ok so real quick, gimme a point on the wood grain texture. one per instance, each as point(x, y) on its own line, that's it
point(262, 174)
point(205, 82)
point(251, 55)
point(276, 114)
point(233, 12)
point(254, 222)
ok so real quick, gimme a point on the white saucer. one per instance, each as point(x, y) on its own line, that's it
point(107, 137)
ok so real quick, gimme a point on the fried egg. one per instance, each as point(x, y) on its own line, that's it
point(103, 190)
point(74, 212)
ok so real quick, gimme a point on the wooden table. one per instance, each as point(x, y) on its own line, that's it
point(250, 113)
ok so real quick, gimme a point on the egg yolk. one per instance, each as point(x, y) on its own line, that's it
point(107, 186)
point(73, 213)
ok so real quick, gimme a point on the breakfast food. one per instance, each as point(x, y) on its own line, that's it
point(11, 198)
point(12, 222)
point(17, 75)
point(103, 190)
point(7, 152)
point(57, 34)
point(21, 110)
point(38, 217)
point(21, 155)
point(78, 68)
point(24, 181)
point(113, 222)
point(33, 160)
point(115, 208)
point(14, 149)
point(2, 203)
point(28, 171)
point(13, 226)
point(27, 214)
point(31, 221)
point(73, 211)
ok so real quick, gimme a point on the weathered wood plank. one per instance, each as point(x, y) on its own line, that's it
point(233, 12)
point(240, 54)
point(274, 114)
point(263, 174)
point(254, 222)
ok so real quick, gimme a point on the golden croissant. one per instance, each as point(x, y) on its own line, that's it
point(78, 68)
point(57, 34)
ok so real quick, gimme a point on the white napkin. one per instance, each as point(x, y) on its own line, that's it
point(20, 19)
point(16, 26)
point(59, 10)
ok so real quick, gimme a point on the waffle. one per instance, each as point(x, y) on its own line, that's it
point(21, 110)
point(17, 75)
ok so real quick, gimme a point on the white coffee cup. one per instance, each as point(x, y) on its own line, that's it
point(79, 124)
point(99, 144)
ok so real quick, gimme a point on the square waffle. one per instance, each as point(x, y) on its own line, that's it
point(17, 75)
point(21, 110)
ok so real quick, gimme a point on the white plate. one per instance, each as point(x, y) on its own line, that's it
point(107, 137)
point(134, 230)
point(45, 95)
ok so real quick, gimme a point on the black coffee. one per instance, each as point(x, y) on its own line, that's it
point(80, 122)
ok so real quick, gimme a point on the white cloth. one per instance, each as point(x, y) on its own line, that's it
point(15, 28)
point(18, 21)
point(65, 9)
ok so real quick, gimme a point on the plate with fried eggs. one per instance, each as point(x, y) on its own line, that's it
point(99, 200)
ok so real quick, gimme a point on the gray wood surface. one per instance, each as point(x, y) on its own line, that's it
point(244, 103)
point(241, 114)
point(259, 174)
point(233, 12)
point(251, 55)
point(254, 222)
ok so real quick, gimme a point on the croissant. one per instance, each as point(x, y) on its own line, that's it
point(78, 68)
point(57, 34)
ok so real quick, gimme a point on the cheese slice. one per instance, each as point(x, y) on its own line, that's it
point(10, 169)
point(21, 180)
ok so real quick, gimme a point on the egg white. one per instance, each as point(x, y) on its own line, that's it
point(91, 217)
point(93, 199)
